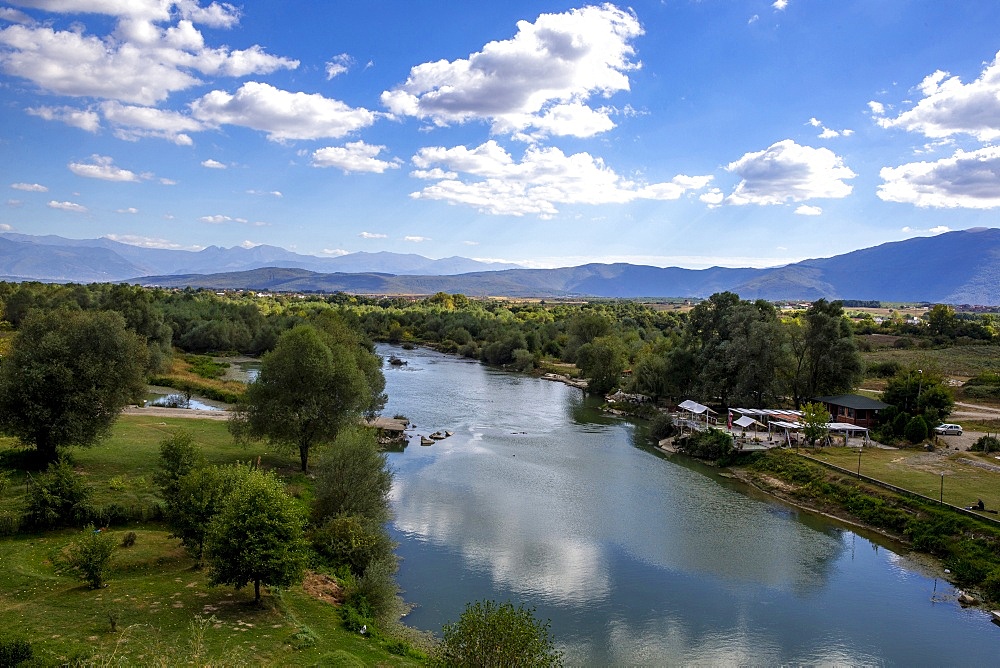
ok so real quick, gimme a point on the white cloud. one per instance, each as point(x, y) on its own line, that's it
point(250, 244)
point(471, 243)
point(271, 193)
point(968, 179)
point(148, 242)
point(4, 227)
point(15, 16)
point(103, 168)
point(335, 252)
point(338, 65)
point(30, 187)
point(220, 219)
point(712, 198)
point(139, 62)
point(807, 210)
point(940, 229)
point(134, 122)
point(131, 210)
point(828, 133)
point(788, 172)
point(949, 107)
point(780, 5)
point(753, 19)
point(85, 119)
point(416, 239)
point(282, 114)
point(372, 235)
point(67, 206)
point(354, 157)
point(538, 82)
point(494, 183)
point(213, 164)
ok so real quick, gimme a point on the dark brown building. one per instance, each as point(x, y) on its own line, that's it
point(853, 409)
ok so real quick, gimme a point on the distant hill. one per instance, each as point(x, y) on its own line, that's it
point(955, 268)
point(86, 260)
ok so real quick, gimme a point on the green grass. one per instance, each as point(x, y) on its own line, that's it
point(154, 589)
point(921, 472)
point(958, 361)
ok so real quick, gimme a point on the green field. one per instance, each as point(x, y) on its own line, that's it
point(922, 472)
point(164, 610)
point(960, 362)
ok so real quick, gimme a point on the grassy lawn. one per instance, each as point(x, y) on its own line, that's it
point(166, 612)
point(921, 472)
point(959, 362)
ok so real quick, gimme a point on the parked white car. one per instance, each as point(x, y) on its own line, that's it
point(946, 429)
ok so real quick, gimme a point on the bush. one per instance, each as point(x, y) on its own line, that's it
point(899, 423)
point(986, 444)
point(59, 497)
point(378, 589)
point(492, 634)
point(128, 540)
point(352, 541)
point(14, 651)
point(991, 585)
point(916, 430)
point(91, 554)
point(713, 444)
point(661, 426)
point(886, 369)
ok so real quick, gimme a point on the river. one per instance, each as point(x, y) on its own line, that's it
point(636, 557)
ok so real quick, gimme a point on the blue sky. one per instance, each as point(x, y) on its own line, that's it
point(673, 133)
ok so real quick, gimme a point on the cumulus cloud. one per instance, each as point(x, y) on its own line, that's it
point(67, 206)
point(949, 107)
point(828, 133)
point(140, 62)
point(788, 172)
point(85, 119)
point(416, 239)
point(354, 157)
point(131, 210)
point(807, 210)
point(538, 82)
point(15, 16)
point(968, 179)
point(213, 164)
point(490, 180)
point(876, 107)
point(282, 114)
point(133, 122)
point(30, 187)
point(102, 167)
point(780, 5)
point(372, 235)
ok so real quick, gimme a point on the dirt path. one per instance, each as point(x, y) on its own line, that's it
point(190, 413)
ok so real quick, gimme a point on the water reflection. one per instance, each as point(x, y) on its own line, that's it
point(636, 559)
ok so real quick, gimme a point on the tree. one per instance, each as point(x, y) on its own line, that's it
point(257, 536)
point(68, 378)
point(353, 478)
point(198, 498)
point(178, 457)
point(920, 392)
point(492, 634)
point(307, 391)
point(91, 555)
point(826, 357)
point(58, 497)
point(602, 362)
point(916, 430)
point(815, 418)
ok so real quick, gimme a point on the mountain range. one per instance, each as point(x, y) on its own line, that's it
point(955, 268)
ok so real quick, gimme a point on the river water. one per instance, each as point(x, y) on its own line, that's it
point(636, 557)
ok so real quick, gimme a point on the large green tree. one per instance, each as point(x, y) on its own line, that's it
point(310, 386)
point(825, 356)
point(68, 377)
point(257, 536)
point(920, 392)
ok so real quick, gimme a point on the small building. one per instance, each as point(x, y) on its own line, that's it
point(853, 409)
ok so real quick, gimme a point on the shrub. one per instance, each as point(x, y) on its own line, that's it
point(711, 444)
point(378, 589)
point(916, 430)
point(986, 444)
point(91, 554)
point(352, 541)
point(14, 651)
point(991, 585)
point(899, 423)
point(58, 498)
point(128, 540)
point(491, 634)
point(886, 369)
point(661, 426)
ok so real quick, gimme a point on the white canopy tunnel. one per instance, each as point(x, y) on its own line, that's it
point(746, 421)
point(694, 407)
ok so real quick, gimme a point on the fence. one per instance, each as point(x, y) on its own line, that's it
point(900, 490)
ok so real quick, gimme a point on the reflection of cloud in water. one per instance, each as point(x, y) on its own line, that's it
point(514, 535)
